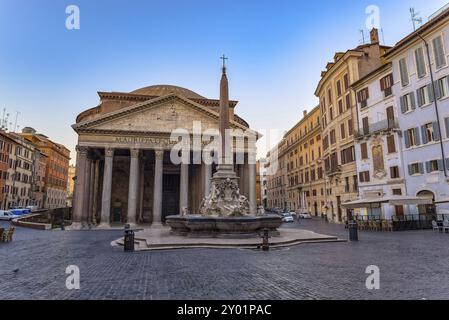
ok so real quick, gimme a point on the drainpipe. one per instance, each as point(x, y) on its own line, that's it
point(435, 104)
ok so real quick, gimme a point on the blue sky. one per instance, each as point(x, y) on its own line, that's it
point(277, 50)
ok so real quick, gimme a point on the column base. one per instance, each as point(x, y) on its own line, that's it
point(156, 225)
point(75, 226)
point(103, 226)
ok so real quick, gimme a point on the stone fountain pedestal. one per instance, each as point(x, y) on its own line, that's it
point(224, 213)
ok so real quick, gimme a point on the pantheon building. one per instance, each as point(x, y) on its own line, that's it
point(124, 172)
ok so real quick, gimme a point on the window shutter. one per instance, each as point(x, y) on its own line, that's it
point(404, 72)
point(430, 91)
point(438, 51)
point(424, 134)
point(407, 139)
point(447, 163)
point(382, 84)
point(403, 106)
point(419, 55)
point(421, 168)
point(412, 100)
point(440, 165)
point(436, 132)
point(420, 99)
point(417, 139)
point(428, 167)
point(446, 123)
point(436, 85)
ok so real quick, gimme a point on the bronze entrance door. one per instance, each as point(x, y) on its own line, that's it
point(170, 195)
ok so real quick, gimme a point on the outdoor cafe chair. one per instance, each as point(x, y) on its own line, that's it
point(445, 226)
point(435, 226)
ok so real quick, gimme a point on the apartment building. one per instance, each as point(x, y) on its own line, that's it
point(276, 178)
point(18, 187)
point(339, 118)
point(378, 142)
point(420, 69)
point(305, 184)
point(57, 167)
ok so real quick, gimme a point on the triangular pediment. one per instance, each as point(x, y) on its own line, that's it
point(161, 115)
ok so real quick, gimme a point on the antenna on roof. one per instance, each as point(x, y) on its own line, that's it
point(416, 20)
point(383, 36)
point(362, 32)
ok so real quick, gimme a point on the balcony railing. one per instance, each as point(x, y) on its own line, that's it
point(373, 128)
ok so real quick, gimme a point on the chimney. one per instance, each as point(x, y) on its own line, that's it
point(374, 35)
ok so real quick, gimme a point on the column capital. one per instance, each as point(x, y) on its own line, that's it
point(108, 152)
point(134, 153)
point(159, 154)
point(82, 150)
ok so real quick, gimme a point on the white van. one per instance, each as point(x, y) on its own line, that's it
point(7, 215)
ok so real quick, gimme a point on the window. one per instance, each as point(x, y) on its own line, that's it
point(404, 72)
point(342, 131)
point(420, 64)
point(364, 151)
point(348, 101)
point(340, 106)
point(412, 138)
point(329, 96)
point(391, 146)
point(332, 137)
point(425, 95)
point(339, 88)
point(347, 155)
point(408, 102)
point(362, 97)
point(442, 88)
point(434, 166)
point(350, 128)
point(386, 84)
point(415, 168)
point(394, 172)
point(438, 51)
point(429, 132)
point(365, 123)
point(364, 176)
point(346, 81)
point(397, 192)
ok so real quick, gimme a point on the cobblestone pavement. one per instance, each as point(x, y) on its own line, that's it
point(413, 265)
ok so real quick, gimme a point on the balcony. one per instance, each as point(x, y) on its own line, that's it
point(377, 127)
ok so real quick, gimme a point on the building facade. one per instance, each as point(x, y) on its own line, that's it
point(7, 145)
point(378, 142)
point(276, 178)
point(124, 168)
point(304, 166)
point(423, 110)
point(21, 167)
point(57, 159)
point(339, 118)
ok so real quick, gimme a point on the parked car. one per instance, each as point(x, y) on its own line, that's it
point(304, 216)
point(20, 211)
point(7, 215)
point(287, 217)
point(32, 208)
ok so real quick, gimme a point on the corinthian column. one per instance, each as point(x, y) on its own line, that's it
point(184, 188)
point(133, 186)
point(207, 178)
point(252, 183)
point(107, 188)
point(78, 201)
point(157, 188)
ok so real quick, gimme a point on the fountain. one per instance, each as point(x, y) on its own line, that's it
point(225, 212)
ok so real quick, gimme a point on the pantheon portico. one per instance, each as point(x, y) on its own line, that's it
point(124, 171)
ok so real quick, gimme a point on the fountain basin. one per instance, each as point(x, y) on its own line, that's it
point(223, 227)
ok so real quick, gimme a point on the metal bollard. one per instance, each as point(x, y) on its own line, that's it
point(353, 231)
point(265, 240)
point(129, 239)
